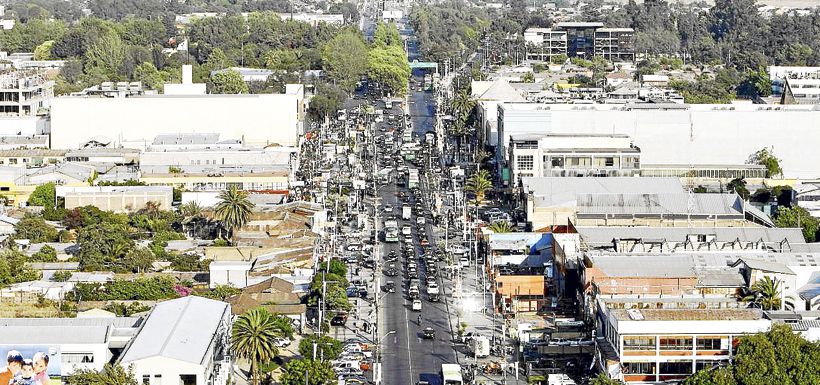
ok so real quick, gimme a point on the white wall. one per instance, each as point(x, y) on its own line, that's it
point(100, 352)
point(168, 369)
point(258, 119)
point(698, 136)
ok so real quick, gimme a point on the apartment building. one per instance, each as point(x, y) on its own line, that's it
point(537, 155)
point(544, 43)
point(615, 44)
point(24, 93)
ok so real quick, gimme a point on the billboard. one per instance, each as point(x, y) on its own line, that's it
point(28, 352)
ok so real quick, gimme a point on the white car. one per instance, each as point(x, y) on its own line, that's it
point(416, 305)
point(388, 208)
point(282, 342)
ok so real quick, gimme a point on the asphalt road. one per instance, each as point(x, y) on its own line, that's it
point(407, 357)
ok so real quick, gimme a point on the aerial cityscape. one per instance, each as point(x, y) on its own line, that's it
point(409, 192)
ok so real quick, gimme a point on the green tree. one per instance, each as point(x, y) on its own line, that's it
point(528, 78)
point(35, 229)
point(478, 184)
point(221, 292)
point(307, 372)
point(61, 276)
point(139, 260)
point(46, 254)
point(325, 347)
point(112, 374)
point(327, 101)
point(13, 268)
point(501, 227)
point(765, 157)
point(388, 67)
point(603, 379)
point(288, 60)
point(44, 195)
point(227, 82)
point(43, 51)
point(738, 186)
point(765, 294)
point(148, 74)
point(336, 267)
point(254, 339)
point(103, 245)
point(796, 216)
point(233, 210)
point(345, 59)
point(107, 55)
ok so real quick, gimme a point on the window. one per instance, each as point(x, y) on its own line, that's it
point(639, 368)
point(146, 379)
point(676, 367)
point(187, 379)
point(676, 343)
point(528, 145)
point(609, 162)
point(709, 343)
point(639, 343)
point(557, 162)
point(78, 358)
point(524, 162)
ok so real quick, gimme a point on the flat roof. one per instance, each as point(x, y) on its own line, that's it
point(559, 190)
point(687, 314)
point(605, 235)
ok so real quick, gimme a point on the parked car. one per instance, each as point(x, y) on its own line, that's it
point(282, 342)
point(339, 319)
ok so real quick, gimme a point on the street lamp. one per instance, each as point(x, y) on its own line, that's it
point(378, 366)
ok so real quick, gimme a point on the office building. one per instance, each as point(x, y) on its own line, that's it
point(580, 38)
point(116, 198)
point(24, 93)
point(615, 44)
point(537, 155)
point(544, 43)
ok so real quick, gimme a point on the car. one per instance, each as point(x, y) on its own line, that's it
point(416, 305)
point(428, 333)
point(352, 291)
point(390, 287)
point(281, 342)
point(388, 208)
point(339, 319)
point(349, 372)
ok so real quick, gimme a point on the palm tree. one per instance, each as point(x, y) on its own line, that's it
point(191, 212)
point(478, 184)
point(462, 104)
point(233, 210)
point(765, 293)
point(254, 339)
point(501, 227)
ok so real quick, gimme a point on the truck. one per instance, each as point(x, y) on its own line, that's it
point(480, 346)
point(391, 231)
point(413, 178)
point(406, 212)
point(451, 374)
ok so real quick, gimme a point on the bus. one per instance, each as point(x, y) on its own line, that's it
point(451, 374)
point(391, 231)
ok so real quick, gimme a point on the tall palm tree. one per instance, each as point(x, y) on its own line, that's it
point(233, 210)
point(462, 104)
point(254, 339)
point(501, 227)
point(478, 184)
point(191, 212)
point(765, 293)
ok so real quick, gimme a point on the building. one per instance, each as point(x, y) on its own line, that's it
point(658, 345)
point(314, 19)
point(488, 95)
point(678, 134)
point(116, 198)
point(544, 43)
point(25, 93)
point(183, 341)
point(520, 269)
point(31, 157)
point(537, 155)
point(72, 343)
point(249, 74)
point(802, 80)
point(615, 44)
point(135, 121)
point(580, 37)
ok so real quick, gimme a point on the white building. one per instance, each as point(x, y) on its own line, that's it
point(73, 343)
point(706, 134)
point(657, 345)
point(135, 121)
point(314, 19)
point(536, 155)
point(116, 198)
point(488, 94)
point(544, 43)
point(183, 341)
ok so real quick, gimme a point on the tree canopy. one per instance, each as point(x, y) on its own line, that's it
point(345, 59)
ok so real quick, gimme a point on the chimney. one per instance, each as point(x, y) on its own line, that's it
point(187, 77)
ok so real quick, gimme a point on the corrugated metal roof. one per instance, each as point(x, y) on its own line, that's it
point(51, 335)
point(674, 203)
point(690, 314)
point(762, 265)
point(119, 322)
point(180, 329)
point(597, 235)
point(551, 191)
